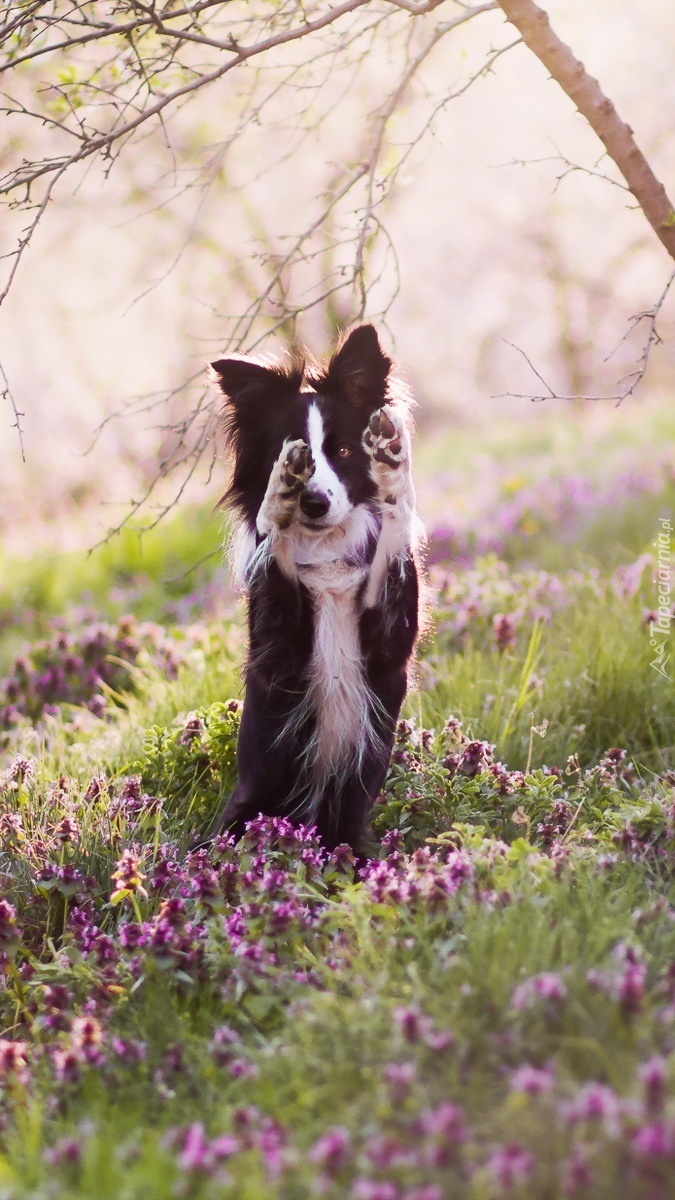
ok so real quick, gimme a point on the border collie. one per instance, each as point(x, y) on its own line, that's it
point(326, 548)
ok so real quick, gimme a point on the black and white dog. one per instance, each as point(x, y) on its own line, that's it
point(326, 548)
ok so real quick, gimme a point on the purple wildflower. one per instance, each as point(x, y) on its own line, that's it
point(631, 987)
point(67, 1150)
point(87, 1040)
point(224, 1044)
point(200, 1153)
point(129, 1052)
point(595, 1102)
point(653, 1075)
point(13, 1062)
point(510, 1165)
point(428, 1191)
point(66, 1064)
point(575, 1175)
point(411, 1022)
point(67, 830)
point(333, 1149)
point(399, 1078)
point(444, 1131)
point(548, 987)
point(655, 1141)
point(504, 631)
point(9, 934)
point(370, 1189)
point(129, 878)
point(532, 1080)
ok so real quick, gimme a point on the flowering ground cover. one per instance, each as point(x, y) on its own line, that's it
point(483, 1008)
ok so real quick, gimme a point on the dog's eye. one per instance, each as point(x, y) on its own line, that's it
point(344, 451)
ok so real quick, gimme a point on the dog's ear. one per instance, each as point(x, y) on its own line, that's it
point(244, 380)
point(360, 369)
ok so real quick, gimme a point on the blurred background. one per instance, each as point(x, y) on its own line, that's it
point(494, 246)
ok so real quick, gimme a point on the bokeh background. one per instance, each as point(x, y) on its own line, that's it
point(132, 281)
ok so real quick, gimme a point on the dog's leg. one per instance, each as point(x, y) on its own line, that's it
point(387, 441)
point(275, 725)
point(293, 468)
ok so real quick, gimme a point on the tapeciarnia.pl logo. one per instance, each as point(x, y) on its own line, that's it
point(659, 629)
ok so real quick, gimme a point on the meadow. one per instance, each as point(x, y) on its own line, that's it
point(485, 1008)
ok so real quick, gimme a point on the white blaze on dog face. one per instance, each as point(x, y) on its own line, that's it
point(325, 479)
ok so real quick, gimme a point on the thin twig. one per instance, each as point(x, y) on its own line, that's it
point(570, 168)
point(7, 395)
point(631, 380)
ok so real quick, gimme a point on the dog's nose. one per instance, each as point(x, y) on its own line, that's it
point(314, 505)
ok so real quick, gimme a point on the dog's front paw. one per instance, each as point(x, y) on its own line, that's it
point(296, 466)
point(386, 437)
point(292, 470)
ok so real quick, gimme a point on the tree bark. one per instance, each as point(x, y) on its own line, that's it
point(585, 92)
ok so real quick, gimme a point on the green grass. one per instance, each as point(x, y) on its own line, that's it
point(148, 573)
point(563, 877)
point(588, 678)
point(323, 1057)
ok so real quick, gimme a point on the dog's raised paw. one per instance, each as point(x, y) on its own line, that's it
point(297, 465)
point(385, 438)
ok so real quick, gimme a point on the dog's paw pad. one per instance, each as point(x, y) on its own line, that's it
point(297, 465)
point(384, 437)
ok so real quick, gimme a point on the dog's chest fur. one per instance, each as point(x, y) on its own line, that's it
point(338, 692)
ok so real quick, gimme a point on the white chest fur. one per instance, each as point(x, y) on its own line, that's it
point(338, 692)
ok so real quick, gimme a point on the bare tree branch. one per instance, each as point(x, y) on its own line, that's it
point(7, 395)
point(585, 91)
point(111, 77)
point(240, 54)
point(105, 109)
point(627, 385)
point(570, 168)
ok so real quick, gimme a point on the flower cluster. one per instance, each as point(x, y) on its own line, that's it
point(261, 927)
point(508, 514)
point(85, 668)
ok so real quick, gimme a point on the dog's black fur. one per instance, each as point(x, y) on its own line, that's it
point(327, 546)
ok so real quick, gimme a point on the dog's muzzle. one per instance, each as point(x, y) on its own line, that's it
point(314, 505)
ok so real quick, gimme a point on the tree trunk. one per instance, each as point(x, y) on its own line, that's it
point(585, 91)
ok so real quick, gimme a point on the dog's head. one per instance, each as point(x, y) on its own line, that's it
point(328, 408)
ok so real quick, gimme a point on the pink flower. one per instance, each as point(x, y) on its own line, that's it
point(504, 632)
point(653, 1075)
point(532, 1080)
point(596, 1102)
point(332, 1151)
point(370, 1189)
point(510, 1165)
point(444, 1129)
point(655, 1141)
point(446, 1122)
point(66, 1064)
point(411, 1022)
point(387, 1153)
point(194, 1155)
point(547, 986)
point(9, 934)
point(575, 1175)
point(631, 987)
point(200, 1153)
point(428, 1191)
point(67, 1150)
point(13, 1061)
point(129, 878)
point(399, 1078)
point(242, 1068)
